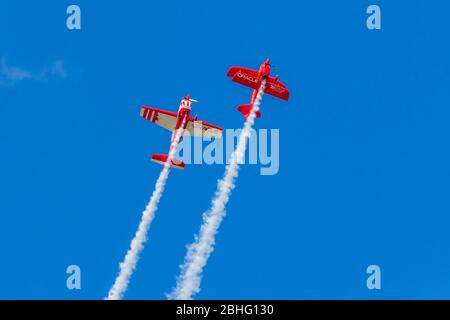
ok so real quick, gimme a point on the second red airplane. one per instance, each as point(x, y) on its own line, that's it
point(253, 79)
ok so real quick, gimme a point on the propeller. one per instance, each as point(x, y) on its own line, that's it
point(188, 97)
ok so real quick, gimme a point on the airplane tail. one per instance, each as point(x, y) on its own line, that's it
point(162, 158)
point(245, 110)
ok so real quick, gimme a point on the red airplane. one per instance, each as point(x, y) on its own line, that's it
point(173, 121)
point(253, 79)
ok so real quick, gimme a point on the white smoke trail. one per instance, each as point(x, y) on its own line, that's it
point(137, 244)
point(188, 282)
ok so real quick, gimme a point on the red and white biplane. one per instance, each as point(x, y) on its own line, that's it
point(253, 78)
point(181, 120)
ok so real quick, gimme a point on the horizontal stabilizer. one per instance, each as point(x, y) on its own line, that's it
point(162, 159)
point(245, 109)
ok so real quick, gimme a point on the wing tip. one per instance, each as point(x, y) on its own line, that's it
point(232, 71)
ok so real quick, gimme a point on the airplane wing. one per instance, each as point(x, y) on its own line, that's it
point(249, 78)
point(277, 89)
point(244, 76)
point(163, 118)
point(198, 128)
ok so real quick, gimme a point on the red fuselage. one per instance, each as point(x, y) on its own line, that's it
point(263, 72)
point(182, 115)
point(264, 69)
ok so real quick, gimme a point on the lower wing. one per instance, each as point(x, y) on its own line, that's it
point(162, 118)
point(198, 128)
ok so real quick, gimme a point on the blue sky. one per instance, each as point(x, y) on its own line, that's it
point(364, 147)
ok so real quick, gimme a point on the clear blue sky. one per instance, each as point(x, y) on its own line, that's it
point(364, 174)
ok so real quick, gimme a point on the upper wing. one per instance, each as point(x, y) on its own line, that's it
point(163, 118)
point(244, 76)
point(276, 88)
point(198, 128)
point(249, 78)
